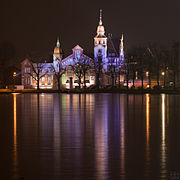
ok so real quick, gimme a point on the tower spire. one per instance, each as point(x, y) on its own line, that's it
point(100, 40)
point(122, 48)
point(100, 17)
point(58, 43)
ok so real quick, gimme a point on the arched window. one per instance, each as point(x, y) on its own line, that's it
point(87, 76)
point(63, 79)
point(69, 72)
point(43, 80)
point(49, 80)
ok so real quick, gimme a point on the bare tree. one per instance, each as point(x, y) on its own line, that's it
point(133, 69)
point(118, 73)
point(86, 66)
point(153, 59)
point(149, 61)
point(38, 71)
point(166, 59)
point(7, 53)
point(58, 74)
point(111, 70)
point(127, 73)
point(136, 63)
point(174, 67)
point(77, 68)
point(98, 68)
point(81, 68)
point(157, 58)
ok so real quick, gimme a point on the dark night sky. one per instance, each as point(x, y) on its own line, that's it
point(32, 26)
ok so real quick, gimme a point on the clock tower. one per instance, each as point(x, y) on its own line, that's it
point(100, 41)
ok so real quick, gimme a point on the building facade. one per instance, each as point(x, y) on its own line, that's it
point(46, 73)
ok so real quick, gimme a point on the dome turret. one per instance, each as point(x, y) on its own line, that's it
point(57, 50)
point(100, 28)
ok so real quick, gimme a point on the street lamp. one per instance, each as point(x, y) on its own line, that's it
point(163, 74)
point(14, 75)
point(149, 79)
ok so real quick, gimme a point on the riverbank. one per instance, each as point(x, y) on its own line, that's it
point(115, 90)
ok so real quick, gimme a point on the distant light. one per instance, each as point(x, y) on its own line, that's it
point(136, 75)
point(14, 74)
point(163, 73)
point(147, 73)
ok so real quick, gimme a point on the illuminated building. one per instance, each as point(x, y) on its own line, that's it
point(104, 48)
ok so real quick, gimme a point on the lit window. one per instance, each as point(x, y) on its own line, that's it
point(87, 76)
point(43, 80)
point(27, 70)
point(63, 79)
point(49, 80)
point(69, 71)
point(27, 81)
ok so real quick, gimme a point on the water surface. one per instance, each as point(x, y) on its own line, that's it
point(89, 136)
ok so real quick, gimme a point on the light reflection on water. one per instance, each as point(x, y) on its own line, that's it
point(147, 135)
point(101, 140)
point(92, 136)
point(122, 139)
point(163, 159)
point(15, 153)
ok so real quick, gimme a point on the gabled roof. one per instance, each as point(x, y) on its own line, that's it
point(77, 47)
point(26, 60)
point(68, 58)
point(71, 60)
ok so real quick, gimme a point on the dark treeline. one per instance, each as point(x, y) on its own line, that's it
point(7, 65)
point(153, 63)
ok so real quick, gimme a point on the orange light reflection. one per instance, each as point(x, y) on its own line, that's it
point(147, 136)
point(15, 154)
point(163, 140)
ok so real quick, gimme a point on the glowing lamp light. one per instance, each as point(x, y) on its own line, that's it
point(14, 74)
point(163, 73)
point(147, 73)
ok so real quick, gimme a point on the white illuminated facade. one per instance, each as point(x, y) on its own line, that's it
point(100, 42)
point(103, 47)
